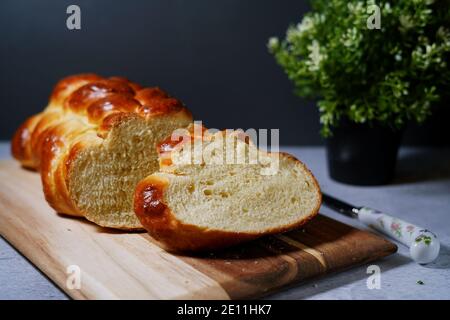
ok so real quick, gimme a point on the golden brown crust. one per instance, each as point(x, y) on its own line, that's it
point(157, 218)
point(82, 105)
point(69, 84)
point(21, 142)
point(96, 101)
point(55, 177)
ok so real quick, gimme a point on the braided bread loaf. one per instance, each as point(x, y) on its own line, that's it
point(94, 141)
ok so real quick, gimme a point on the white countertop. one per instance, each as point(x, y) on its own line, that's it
point(420, 194)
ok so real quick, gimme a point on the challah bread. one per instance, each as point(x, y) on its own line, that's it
point(213, 203)
point(94, 142)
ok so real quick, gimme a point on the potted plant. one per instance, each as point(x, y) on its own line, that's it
point(369, 81)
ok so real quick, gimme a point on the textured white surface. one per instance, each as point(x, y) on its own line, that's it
point(420, 194)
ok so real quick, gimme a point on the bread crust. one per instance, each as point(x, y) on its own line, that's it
point(82, 110)
point(174, 235)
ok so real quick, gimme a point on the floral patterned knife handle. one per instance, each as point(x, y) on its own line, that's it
point(423, 244)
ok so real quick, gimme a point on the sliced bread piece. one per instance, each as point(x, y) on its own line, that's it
point(214, 203)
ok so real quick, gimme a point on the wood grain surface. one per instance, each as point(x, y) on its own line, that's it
point(120, 265)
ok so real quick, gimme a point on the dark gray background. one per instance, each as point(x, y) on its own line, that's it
point(210, 54)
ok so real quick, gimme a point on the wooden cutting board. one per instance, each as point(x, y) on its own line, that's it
point(120, 265)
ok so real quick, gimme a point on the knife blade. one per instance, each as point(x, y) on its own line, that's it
point(340, 206)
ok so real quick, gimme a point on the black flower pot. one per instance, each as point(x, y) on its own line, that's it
point(363, 154)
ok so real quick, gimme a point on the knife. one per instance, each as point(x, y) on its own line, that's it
point(423, 244)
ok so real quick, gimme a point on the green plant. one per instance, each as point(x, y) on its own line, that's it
point(388, 75)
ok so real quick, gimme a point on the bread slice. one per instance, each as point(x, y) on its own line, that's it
point(199, 200)
point(94, 142)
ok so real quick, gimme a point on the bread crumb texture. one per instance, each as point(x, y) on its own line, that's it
point(240, 199)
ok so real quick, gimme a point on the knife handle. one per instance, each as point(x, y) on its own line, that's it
point(424, 245)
